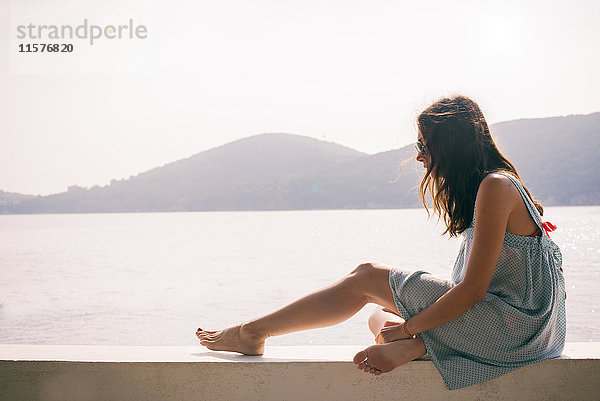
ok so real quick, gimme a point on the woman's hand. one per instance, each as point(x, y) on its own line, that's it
point(391, 331)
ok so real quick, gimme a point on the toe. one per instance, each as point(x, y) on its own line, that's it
point(360, 357)
point(211, 335)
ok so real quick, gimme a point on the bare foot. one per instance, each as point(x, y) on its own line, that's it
point(382, 358)
point(237, 339)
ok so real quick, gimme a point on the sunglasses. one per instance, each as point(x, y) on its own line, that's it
point(421, 148)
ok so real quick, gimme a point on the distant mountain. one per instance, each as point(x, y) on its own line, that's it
point(557, 158)
point(9, 199)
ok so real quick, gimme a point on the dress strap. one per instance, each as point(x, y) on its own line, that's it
point(543, 227)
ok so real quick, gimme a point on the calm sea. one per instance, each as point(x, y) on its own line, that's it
point(152, 279)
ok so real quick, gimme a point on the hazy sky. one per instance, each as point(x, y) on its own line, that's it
point(210, 72)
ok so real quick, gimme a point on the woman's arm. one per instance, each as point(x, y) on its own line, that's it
point(495, 203)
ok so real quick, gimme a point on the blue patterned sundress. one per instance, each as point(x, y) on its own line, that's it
point(521, 320)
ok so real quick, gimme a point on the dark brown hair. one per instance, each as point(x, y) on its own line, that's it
point(460, 152)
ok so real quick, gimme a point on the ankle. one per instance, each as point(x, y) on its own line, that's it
point(253, 331)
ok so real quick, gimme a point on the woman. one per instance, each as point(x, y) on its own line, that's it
point(505, 304)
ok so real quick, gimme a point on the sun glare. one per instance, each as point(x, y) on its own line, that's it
point(502, 32)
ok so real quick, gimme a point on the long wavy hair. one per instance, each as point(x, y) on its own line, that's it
point(460, 152)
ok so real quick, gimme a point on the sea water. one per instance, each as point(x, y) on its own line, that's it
point(154, 278)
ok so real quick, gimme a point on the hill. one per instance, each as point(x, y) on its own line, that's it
point(9, 199)
point(557, 158)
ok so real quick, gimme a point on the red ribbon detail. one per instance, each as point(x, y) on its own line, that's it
point(548, 227)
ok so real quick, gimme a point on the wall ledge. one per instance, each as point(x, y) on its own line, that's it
point(81, 372)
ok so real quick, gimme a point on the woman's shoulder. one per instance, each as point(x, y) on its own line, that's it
point(497, 182)
point(497, 189)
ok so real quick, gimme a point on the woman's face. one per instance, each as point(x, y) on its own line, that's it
point(420, 157)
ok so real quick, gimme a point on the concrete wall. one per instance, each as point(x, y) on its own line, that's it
point(284, 373)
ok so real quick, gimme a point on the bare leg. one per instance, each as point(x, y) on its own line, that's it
point(379, 318)
point(326, 307)
point(383, 358)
